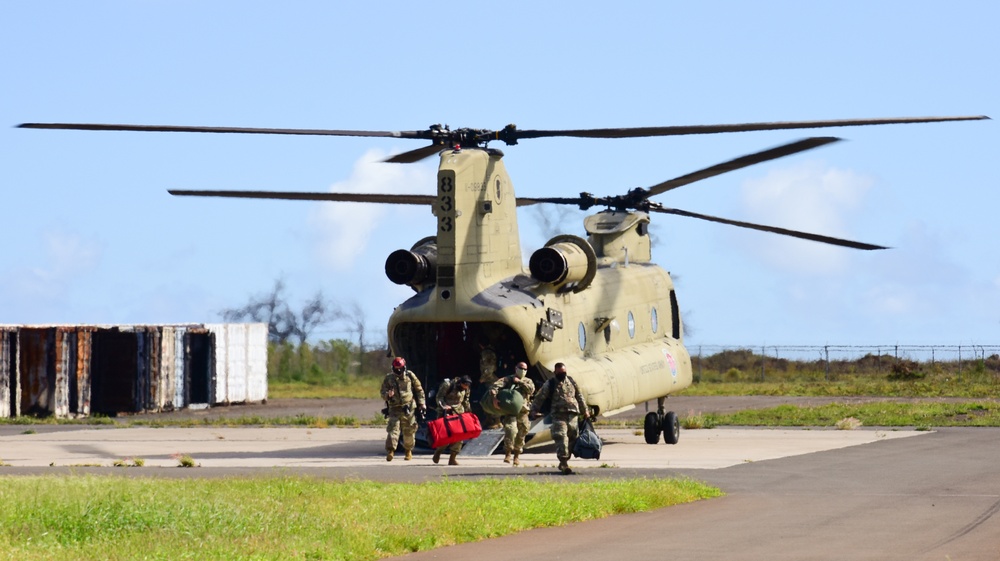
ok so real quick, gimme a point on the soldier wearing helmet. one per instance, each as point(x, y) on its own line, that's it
point(452, 399)
point(515, 427)
point(403, 395)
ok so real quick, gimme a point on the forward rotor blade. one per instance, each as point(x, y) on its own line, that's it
point(772, 229)
point(742, 127)
point(415, 155)
point(744, 161)
point(299, 196)
point(238, 130)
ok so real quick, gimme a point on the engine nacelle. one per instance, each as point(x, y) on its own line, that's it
point(565, 259)
point(416, 267)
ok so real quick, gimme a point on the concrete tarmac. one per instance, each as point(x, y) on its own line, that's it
point(301, 447)
point(790, 494)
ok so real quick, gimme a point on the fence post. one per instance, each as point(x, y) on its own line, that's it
point(699, 364)
point(960, 361)
point(826, 352)
point(763, 357)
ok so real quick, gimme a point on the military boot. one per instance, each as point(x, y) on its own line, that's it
point(516, 461)
point(389, 455)
point(437, 456)
point(506, 458)
point(564, 467)
point(453, 460)
point(409, 455)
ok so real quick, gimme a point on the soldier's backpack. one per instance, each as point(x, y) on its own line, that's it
point(546, 406)
point(588, 444)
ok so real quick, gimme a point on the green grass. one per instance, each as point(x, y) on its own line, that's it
point(309, 421)
point(357, 387)
point(935, 382)
point(882, 414)
point(86, 517)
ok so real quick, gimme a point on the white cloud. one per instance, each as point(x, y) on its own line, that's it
point(810, 198)
point(69, 254)
point(892, 299)
point(345, 229)
point(46, 285)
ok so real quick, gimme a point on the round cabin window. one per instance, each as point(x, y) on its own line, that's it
point(631, 326)
point(655, 322)
point(583, 336)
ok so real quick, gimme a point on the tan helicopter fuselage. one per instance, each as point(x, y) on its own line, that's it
point(598, 305)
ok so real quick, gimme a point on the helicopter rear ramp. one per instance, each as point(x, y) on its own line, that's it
point(483, 445)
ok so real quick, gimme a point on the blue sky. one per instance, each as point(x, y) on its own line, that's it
point(92, 236)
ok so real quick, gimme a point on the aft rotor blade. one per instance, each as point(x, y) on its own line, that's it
point(237, 130)
point(300, 196)
point(773, 229)
point(742, 127)
point(415, 155)
point(528, 201)
point(744, 161)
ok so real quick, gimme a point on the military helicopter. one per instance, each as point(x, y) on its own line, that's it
point(473, 291)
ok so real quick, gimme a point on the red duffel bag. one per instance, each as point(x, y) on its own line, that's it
point(453, 428)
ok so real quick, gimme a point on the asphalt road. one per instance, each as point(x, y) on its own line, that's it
point(933, 497)
point(790, 494)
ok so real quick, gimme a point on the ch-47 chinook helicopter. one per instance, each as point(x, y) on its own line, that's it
point(472, 288)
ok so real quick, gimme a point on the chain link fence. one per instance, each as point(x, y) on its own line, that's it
point(766, 362)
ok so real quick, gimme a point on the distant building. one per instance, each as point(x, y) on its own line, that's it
point(80, 370)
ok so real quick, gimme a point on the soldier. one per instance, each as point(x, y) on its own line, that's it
point(515, 427)
point(487, 362)
point(487, 375)
point(403, 393)
point(452, 399)
point(566, 405)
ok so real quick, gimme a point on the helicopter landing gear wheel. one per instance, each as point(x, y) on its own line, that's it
point(651, 428)
point(671, 428)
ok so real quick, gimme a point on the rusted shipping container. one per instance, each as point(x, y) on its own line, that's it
point(8, 377)
point(69, 371)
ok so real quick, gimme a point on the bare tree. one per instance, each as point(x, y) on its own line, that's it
point(282, 323)
point(316, 312)
point(355, 320)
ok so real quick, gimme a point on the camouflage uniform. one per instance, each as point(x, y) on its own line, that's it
point(452, 394)
point(515, 427)
point(567, 405)
point(408, 396)
point(487, 365)
point(487, 375)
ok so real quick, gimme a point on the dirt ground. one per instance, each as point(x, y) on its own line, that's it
point(364, 409)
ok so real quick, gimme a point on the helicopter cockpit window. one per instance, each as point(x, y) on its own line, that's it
point(653, 320)
point(631, 326)
point(583, 336)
